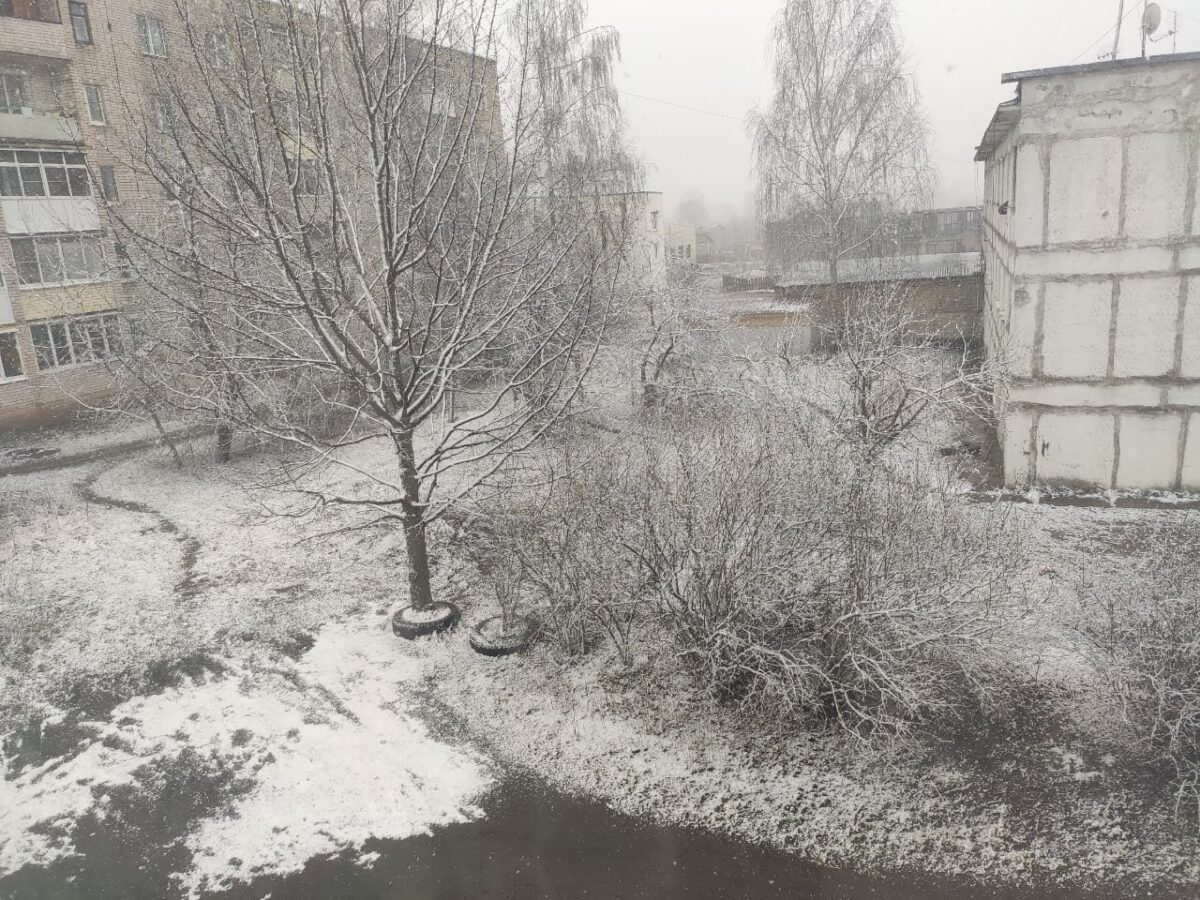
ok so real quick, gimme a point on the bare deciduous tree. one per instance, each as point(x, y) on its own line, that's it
point(385, 228)
point(891, 371)
point(842, 144)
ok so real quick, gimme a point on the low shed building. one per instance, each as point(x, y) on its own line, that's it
point(945, 290)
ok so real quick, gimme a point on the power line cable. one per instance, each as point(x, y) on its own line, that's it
point(696, 109)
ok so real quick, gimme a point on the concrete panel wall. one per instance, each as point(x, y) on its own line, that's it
point(1190, 479)
point(1141, 441)
point(1085, 190)
point(1189, 365)
point(1075, 329)
point(1076, 448)
point(1147, 310)
point(1154, 199)
point(1090, 278)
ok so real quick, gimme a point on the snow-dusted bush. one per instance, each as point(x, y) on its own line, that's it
point(797, 578)
point(569, 537)
point(1147, 629)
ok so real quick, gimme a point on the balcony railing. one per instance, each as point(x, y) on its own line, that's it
point(34, 10)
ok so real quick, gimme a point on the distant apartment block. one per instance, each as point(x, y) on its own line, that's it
point(1092, 263)
point(681, 242)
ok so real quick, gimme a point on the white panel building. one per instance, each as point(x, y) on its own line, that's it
point(1092, 273)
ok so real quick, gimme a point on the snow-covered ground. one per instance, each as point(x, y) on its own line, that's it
point(320, 755)
point(153, 619)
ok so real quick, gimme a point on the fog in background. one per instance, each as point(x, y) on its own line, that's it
point(711, 56)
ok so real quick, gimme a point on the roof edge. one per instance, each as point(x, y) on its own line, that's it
point(1135, 62)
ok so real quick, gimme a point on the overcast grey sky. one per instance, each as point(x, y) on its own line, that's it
point(711, 55)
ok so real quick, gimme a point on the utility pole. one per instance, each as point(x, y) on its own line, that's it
point(1120, 19)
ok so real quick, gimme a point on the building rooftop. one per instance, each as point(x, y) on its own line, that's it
point(894, 268)
point(1009, 113)
point(1108, 65)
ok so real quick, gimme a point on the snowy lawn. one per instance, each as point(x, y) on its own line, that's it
point(160, 638)
point(160, 632)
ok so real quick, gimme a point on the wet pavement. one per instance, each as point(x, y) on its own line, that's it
point(533, 843)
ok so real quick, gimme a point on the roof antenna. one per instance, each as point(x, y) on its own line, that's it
point(1151, 22)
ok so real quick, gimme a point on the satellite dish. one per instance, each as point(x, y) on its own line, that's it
point(1152, 19)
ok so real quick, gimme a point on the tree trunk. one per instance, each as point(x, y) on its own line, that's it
point(224, 442)
point(165, 437)
point(420, 589)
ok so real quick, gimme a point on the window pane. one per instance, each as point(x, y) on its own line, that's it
point(93, 262)
point(28, 156)
point(31, 181)
point(73, 159)
point(62, 345)
point(10, 356)
point(10, 182)
point(26, 261)
point(49, 259)
point(87, 339)
point(74, 265)
point(95, 102)
point(79, 21)
point(80, 184)
point(42, 350)
point(56, 181)
point(12, 93)
point(108, 183)
point(112, 334)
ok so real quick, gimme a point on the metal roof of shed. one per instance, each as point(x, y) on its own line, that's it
point(892, 268)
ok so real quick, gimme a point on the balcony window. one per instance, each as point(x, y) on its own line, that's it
point(58, 258)
point(37, 10)
point(12, 92)
point(10, 356)
point(43, 173)
point(75, 341)
point(80, 24)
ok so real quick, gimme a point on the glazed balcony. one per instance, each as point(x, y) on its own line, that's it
point(34, 28)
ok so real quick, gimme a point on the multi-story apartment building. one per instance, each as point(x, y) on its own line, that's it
point(61, 63)
point(77, 93)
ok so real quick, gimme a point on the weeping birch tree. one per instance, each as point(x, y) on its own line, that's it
point(842, 145)
point(384, 227)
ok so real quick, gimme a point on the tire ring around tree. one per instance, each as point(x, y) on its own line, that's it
point(448, 617)
point(505, 644)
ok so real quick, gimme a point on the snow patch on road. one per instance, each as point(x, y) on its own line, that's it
point(330, 758)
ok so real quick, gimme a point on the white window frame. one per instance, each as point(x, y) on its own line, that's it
point(10, 159)
point(41, 241)
point(216, 49)
point(151, 35)
point(108, 326)
point(93, 95)
point(162, 108)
